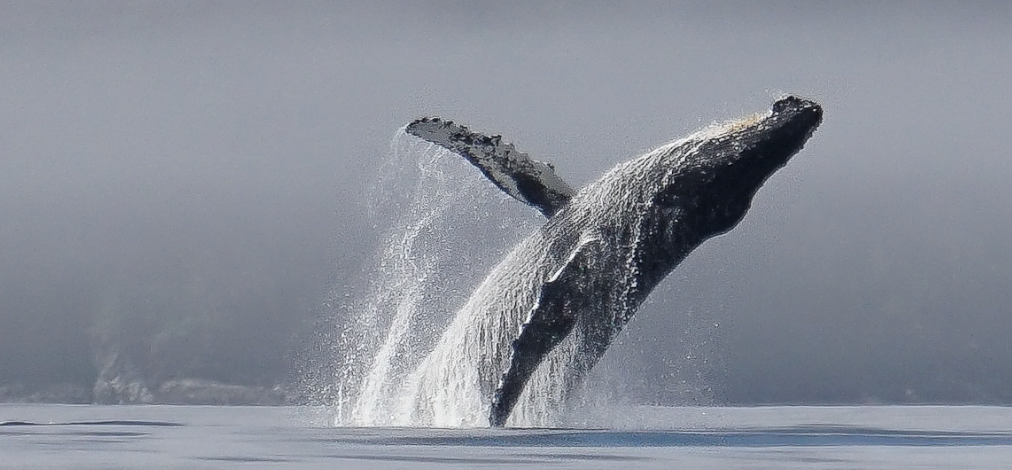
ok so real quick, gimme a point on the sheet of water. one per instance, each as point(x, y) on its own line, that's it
point(170, 437)
point(426, 342)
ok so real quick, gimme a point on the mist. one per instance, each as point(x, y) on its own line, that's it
point(183, 185)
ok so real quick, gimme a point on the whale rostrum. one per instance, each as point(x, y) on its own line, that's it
point(569, 288)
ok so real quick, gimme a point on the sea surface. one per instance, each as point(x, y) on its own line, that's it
point(198, 437)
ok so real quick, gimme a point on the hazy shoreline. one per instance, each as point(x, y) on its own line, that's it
point(188, 391)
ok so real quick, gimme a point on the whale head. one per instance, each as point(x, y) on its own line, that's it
point(702, 185)
point(714, 179)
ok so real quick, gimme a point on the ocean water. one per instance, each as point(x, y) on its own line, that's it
point(192, 437)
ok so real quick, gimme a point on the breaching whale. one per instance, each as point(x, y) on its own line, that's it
point(546, 314)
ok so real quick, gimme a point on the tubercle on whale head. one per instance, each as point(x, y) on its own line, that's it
point(796, 115)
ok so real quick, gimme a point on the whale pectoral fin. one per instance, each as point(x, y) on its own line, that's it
point(529, 181)
point(551, 319)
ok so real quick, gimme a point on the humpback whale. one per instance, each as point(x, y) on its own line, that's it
point(546, 314)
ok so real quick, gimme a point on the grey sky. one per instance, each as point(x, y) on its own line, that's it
point(207, 161)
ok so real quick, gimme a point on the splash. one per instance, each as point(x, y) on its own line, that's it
point(431, 337)
point(443, 227)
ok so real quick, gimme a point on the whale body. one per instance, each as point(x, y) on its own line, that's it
point(541, 320)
